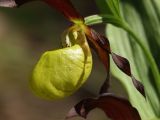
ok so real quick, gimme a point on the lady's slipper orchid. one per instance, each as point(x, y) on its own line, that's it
point(61, 72)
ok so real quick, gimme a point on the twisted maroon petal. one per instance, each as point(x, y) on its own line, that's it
point(123, 64)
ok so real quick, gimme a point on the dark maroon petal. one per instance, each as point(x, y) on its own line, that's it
point(66, 8)
point(123, 64)
point(93, 40)
point(105, 86)
point(101, 40)
point(138, 86)
point(114, 107)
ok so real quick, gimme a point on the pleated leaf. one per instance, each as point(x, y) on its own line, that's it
point(109, 6)
point(123, 44)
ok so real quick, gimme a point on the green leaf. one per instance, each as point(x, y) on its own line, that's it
point(155, 119)
point(109, 6)
point(117, 38)
point(149, 11)
point(124, 44)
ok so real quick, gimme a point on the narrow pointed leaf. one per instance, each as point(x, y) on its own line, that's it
point(114, 7)
point(149, 12)
point(114, 107)
point(109, 6)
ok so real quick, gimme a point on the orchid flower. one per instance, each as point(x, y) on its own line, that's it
point(59, 73)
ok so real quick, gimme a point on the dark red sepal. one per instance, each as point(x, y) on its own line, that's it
point(66, 8)
point(63, 6)
point(116, 108)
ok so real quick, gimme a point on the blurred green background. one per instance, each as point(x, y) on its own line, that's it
point(25, 33)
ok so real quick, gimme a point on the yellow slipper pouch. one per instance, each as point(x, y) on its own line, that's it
point(59, 73)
